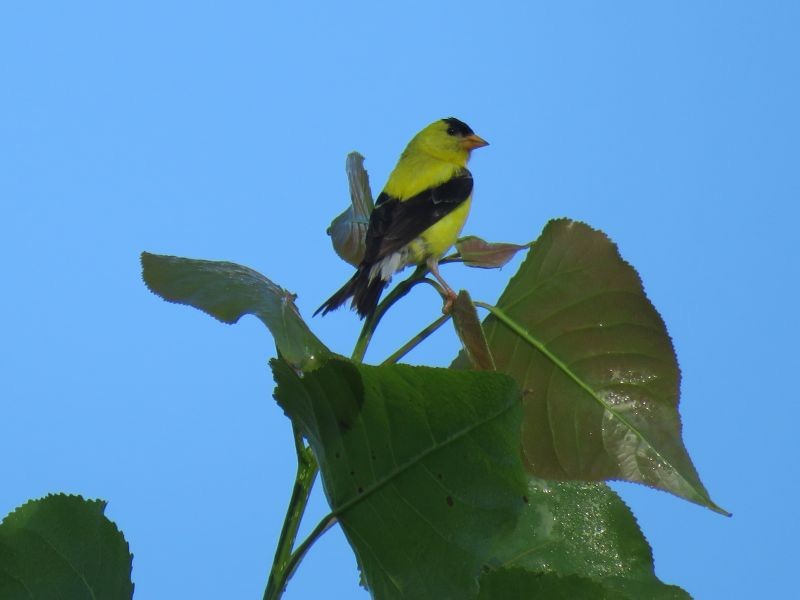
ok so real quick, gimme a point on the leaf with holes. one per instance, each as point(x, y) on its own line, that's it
point(228, 291)
point(421, 467)
point(63, 547)
point(598, 372)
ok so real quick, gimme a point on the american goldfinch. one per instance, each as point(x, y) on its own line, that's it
point(418, 215)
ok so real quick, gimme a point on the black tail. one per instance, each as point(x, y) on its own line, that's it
point(365, 294)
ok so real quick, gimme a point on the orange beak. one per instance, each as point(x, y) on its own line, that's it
point(474, 141)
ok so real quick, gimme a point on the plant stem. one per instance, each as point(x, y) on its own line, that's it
point(417, 339)
point(523, 333)
point(372, 321)
point(303, 482)
point(296, 556)
point(286, 560)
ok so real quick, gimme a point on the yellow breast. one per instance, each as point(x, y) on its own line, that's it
point(437, 238)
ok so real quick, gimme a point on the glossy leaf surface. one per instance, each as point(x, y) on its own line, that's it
point(598, 371)
point(421, 467)
point(519, 584)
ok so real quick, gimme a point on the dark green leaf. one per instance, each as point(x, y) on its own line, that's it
point(228, 291)
point(519, 584)
point(63, 547)
point(421, 466)
point(580, 529)
point(476, 252)
point(597, 368)
point(469, 330)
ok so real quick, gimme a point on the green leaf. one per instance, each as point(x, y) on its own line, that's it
point(476, 252)
point(469, 330)
point(421, 467)
point(572, 541)
point(228, 291)
point(63, 547)
point(519, 584)
point(580, 529)
point(598, 371)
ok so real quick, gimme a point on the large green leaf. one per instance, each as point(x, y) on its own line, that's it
point(228, 291)
point(421, 467)
point(596, 365)
point(63, 547)
point(581, 530)
point(519, 584)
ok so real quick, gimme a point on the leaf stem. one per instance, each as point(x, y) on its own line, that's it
point(294, 560)
point(400, 290)
point(416, 340)
point(286, 560)
point(523, 333)
point(303, 482)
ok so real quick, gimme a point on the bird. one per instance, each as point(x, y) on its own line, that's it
point(417, 217)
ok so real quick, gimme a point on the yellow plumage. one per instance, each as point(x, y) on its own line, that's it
point(438, 238)
point(419, 214)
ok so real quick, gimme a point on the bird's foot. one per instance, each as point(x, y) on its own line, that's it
point(449, 298)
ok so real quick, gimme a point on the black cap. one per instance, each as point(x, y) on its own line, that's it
point(456, 127)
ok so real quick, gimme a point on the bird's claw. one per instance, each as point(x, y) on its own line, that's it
point(450, 298)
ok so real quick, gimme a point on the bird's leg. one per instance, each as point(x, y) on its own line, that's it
point(450, 295)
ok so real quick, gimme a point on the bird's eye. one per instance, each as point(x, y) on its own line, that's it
point(451, 131)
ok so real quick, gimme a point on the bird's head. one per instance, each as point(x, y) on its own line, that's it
point(448, 139)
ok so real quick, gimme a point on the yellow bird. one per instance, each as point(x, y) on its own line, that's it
point(418, 215)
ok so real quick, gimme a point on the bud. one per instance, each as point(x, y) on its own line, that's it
point(348, 231)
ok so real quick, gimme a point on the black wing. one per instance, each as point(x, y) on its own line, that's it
point(395, 223)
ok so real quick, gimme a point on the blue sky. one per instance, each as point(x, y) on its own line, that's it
point(220, 131)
